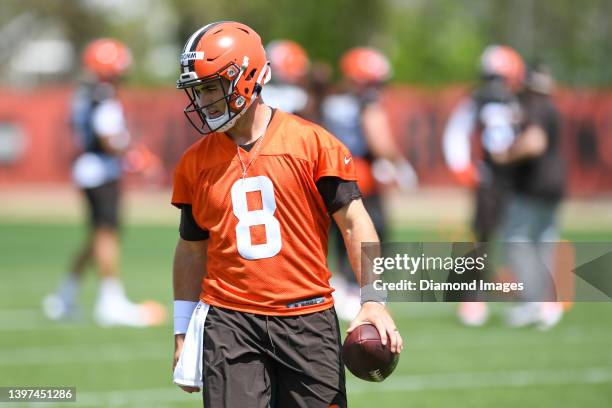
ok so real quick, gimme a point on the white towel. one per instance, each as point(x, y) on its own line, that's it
point(188, 370)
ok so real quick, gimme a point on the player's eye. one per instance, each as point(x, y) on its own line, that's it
point(206, 89)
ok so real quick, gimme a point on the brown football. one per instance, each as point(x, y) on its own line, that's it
point(366, 357)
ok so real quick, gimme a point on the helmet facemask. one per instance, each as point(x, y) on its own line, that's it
point(233, 107)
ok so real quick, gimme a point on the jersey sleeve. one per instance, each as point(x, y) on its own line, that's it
point(108, 122)
point(333, 159)
point(108, 118)
point(189, 229)
point(184, 179)
point(457, 134)
point(337, 193)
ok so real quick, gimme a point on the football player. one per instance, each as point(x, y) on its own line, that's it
point(356, 117)
point(256, 194)
point(492, 114)
point(290, 64)
point(537, 188)
point(101, 137)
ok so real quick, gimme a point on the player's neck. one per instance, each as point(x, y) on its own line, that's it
point(252, 125)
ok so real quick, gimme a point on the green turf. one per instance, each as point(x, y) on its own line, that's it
point(444, 364)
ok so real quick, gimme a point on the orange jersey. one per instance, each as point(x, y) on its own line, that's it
point(267, 251)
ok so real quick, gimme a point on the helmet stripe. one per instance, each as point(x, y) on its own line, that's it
point(193, 41)
point(191, 44)
point(188, 45)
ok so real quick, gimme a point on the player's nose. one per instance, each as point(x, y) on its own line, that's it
point(204, 99)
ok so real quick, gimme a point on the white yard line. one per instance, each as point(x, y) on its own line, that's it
point(83, 353)
point(398, 383)
point(466, 380)
point(154, 351)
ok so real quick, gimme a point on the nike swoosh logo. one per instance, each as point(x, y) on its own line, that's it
point(347, 160)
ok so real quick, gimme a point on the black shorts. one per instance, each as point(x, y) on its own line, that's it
point(489, 210)
point(103, 203)
point(271, 361)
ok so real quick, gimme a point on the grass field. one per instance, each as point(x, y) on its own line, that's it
point(443, 364)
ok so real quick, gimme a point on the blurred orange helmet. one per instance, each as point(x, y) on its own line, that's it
point(504, 62)
point(107, 58)
point(228, 50)
point(288, 59)
point(365, 65)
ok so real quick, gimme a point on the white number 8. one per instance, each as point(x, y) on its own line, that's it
point(247, 219)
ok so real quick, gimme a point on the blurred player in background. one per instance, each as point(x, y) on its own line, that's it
point(318, 87)
point(491, 114)
point(356, 117)
point(254, 319)
point(102, 137)
point(530, 226)
point(290, 64)
point(297, 86)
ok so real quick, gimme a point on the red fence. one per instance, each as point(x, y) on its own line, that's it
point(36, 145)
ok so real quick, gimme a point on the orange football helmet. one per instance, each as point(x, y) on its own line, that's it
point(223, 50)
point(289, 60)
point(503, 62)
point(365, 65)
point(107, 58)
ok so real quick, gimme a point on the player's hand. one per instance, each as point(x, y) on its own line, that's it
point(377, 314)
point(179, 339)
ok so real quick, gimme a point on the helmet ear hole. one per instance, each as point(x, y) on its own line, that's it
point(251, 74)
point(246, 91)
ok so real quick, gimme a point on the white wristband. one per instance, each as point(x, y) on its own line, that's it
point(183, 309)
point(370, 294)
